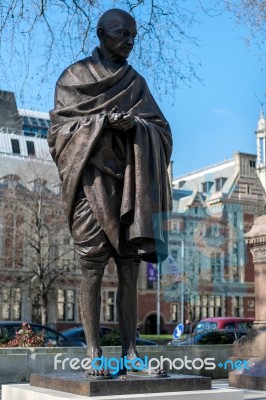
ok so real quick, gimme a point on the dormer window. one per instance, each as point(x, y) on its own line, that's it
point(15, 146)
point(30, 148)
point(252, 163)
point(219, 182)
point(206, 187)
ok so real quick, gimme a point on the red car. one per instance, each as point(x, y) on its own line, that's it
point(228, 324)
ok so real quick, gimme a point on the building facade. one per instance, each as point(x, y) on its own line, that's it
point(209, 271)
point(37, 257)
point(212, 210)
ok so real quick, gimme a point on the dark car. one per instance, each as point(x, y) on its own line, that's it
point(8, 330)
point(205, 337)
point(78, 333)
point(105, 332)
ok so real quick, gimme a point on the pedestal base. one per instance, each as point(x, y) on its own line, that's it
point(251, 351)
point(253, 378)
point(78, 383)
point(27, 392)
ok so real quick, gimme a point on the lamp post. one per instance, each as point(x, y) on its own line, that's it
point(182, 282)
point(158, 326)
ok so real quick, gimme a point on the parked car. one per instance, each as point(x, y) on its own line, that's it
point(78, 333)
point(8, 331)
point(205, 337)
point(217, 330)
point(228, 324)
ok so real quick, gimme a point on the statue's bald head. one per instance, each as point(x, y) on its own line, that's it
point(116, 31)
point(110, 17)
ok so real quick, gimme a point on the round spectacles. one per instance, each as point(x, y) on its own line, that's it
point(123, 33)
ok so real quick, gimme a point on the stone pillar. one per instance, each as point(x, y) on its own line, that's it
point(251, 350)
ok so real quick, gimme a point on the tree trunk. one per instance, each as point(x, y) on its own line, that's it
point(44, 308)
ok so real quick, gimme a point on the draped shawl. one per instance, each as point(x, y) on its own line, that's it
point(123, 174)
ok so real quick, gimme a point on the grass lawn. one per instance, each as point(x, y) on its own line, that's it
point(158, 338)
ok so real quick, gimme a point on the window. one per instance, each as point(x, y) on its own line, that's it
point(43, 122)
point(66, 305)
point(215, 231)
point(174, 226)
point(216, 266)
point(206, 306)
point(252, 163)
point(174, 254)
point(181, 184)
point(211, 306)
point(15, 146)
point(219, 182)
point(174, 313)
point(235, 219)
point(218, 306)
point(30, 148)
point(236, 273)
point(111, 306)
point(36, 316)
point(25, 120)
point(247, 189)
point(11, 304)
point(206, 187)
point(34, 121)
point(235, 254)
point(236, 303)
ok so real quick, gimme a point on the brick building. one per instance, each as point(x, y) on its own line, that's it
point(212, 209)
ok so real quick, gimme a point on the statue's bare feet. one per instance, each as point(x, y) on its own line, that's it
point(139, 367)
point(96, 370)
point(98, 374)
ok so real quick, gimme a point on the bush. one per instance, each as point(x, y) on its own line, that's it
point(25, 337)
point(216, 338)
point(111, 338)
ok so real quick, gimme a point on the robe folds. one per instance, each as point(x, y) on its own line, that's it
point(122, 173)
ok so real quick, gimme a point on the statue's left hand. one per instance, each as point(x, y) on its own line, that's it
point(127, 121)
point(123, 121)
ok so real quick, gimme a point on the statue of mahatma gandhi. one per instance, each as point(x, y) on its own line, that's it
point(112, 146)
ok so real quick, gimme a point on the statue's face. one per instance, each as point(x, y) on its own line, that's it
point(118, 36)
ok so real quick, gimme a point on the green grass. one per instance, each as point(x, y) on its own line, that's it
point(157, 337)
point(160, 339)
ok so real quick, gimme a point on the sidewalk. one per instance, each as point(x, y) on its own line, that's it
point(223, 383)
point(248, 394)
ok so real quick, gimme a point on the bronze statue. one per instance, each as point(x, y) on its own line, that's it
point(112, 146)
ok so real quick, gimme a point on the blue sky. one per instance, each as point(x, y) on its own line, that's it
point(210, 122)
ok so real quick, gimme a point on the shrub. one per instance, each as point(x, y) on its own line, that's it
point(25, 337)
point(111, 338)
point(216, 337)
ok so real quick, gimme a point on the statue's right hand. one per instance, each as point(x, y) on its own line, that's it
point(114, 117)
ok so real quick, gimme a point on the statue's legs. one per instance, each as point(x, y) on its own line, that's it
point(128, 271)
point(93, 250)
point(90, 303)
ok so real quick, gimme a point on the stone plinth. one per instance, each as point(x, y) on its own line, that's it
point(25, 391)
point(252, 348)
point(77, 383)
